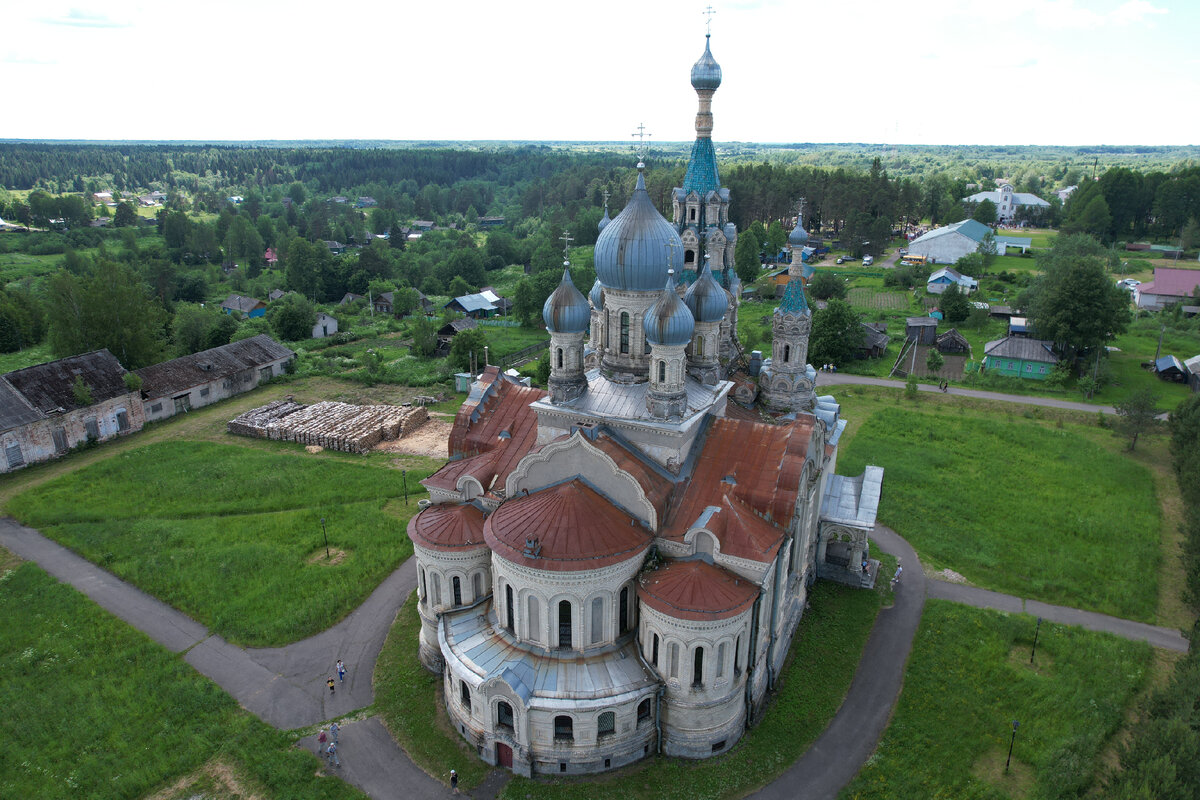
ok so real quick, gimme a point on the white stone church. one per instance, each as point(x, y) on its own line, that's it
point(616, 567)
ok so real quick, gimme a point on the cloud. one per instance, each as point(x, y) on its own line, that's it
point(79, 18)
point(1134, 12)
point(27, 60)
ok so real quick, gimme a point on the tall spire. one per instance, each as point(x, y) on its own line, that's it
point(702, 166)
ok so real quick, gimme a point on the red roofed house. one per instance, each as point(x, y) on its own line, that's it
point(1170, 285)
point(270, 257)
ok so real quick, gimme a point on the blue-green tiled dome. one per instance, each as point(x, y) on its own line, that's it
point(705, 298)
point(668, 321)
point(706, 73)
point(566, 310)
point(636, 249)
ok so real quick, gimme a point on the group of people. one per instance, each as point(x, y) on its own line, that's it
point(829, 368)
point(327, 742)
point(944, 386)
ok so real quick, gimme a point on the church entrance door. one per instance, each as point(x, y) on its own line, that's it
point(503, 755)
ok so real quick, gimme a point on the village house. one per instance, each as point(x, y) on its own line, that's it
point(473, 305)
point(239, 305)
point(47, 409)
point(1020, 357)
point(949, 243)
point(1170, 285)
point(875, 340)
point(944, 278)
point(177, 386)
point(1007, 201)
point(326, 326)
point(922, 330)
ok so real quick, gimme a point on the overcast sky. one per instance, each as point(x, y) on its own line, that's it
point(1064, 72)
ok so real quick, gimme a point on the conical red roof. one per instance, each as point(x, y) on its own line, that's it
point(448, 527)
point(567, 527)
point(696, 590)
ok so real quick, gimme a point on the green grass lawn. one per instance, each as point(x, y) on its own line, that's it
point(969, 677)
point(94, 708)
point(231, 535)
point(1017, 507)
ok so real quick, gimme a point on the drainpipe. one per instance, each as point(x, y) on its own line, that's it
point(752, 657)
point(658, 696)
point(774, 616)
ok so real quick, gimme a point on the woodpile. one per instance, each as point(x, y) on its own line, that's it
point(331, 425)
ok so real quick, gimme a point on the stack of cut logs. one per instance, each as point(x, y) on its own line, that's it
point(332, 425)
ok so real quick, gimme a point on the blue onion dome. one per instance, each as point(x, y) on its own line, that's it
point(798, 236)
point(596, 295)
point(730, 231)
point(604, 220)
point(668, 321)
point(566, 310)
point(637, 248)
point(706, 73)
point(705, 298)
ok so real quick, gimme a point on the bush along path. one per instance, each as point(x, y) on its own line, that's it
point(286, 686)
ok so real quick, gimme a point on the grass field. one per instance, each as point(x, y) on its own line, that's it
point(969, 677)
point(95, 709)
point(1018, 507)
point(832, 634)
point(233, 536)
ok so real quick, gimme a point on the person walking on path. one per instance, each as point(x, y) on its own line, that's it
point(321, 739)
point(454, 781)
point(331, 755)
point(333, 732)
point(341, 670)
point(329, 683)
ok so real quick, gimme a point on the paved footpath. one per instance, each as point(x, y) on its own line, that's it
point(827, 379)
point(285, 686)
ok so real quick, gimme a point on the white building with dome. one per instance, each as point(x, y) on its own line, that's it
point(615, 567)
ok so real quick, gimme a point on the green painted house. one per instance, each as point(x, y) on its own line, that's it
point(1019, 357)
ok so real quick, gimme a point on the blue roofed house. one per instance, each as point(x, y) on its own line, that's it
point(1007, 201)
point(476, 305)
point(949, 243)
point(942, 279)
point(239, 305)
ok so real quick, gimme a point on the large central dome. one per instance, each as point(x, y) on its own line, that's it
point(636, 249)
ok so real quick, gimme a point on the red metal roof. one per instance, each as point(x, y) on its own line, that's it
point(657, 488)
point(574, 528)
point(696, 590)
point(448, 527)
point(1172, 281)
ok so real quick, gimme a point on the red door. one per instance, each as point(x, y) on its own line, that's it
point(503, 755)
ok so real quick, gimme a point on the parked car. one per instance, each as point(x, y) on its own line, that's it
point(841, 260)
point(868, 261)
point(903, 251)
point(1130, 282)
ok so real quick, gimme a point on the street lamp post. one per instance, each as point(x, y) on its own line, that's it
point(404, 478)
point(325, 535)
point(1011, 742)
point(1035, 638)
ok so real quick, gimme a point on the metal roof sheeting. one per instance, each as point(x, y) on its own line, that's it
point(218, 363)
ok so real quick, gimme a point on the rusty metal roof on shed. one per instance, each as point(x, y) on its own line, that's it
point(198, 369)
point(48, 387)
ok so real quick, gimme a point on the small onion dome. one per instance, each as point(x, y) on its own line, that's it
point(696, 590)
point(448, 527)
point(635, 250)
point(604, 220)
point(798, 236)
point(596, 295)
point(706, 73)
point(668, 321)
point(705, 298)
point(566, 310)
point(730, 231)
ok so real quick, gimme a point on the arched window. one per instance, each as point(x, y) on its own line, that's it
point(457, 591)
point(624, 333)
point(508, 610)
point(700, 347)
point(504, 716)
point(623, 613)
point(721, 660)
point(673, 658)
point(654, 652)
point(533, 622)
point(644, 710)
point(564, 623)
point(564, 728)
point(698, 667)
point(560, 366)
point(465, 695)
point(662, 372)
point(606, 725)
point(424, 587)
point(689, 256)
point(787, 353)
point(437, 589)
point(737, 656)
point(597, 619)
point(477, 586)
point(691, 215)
